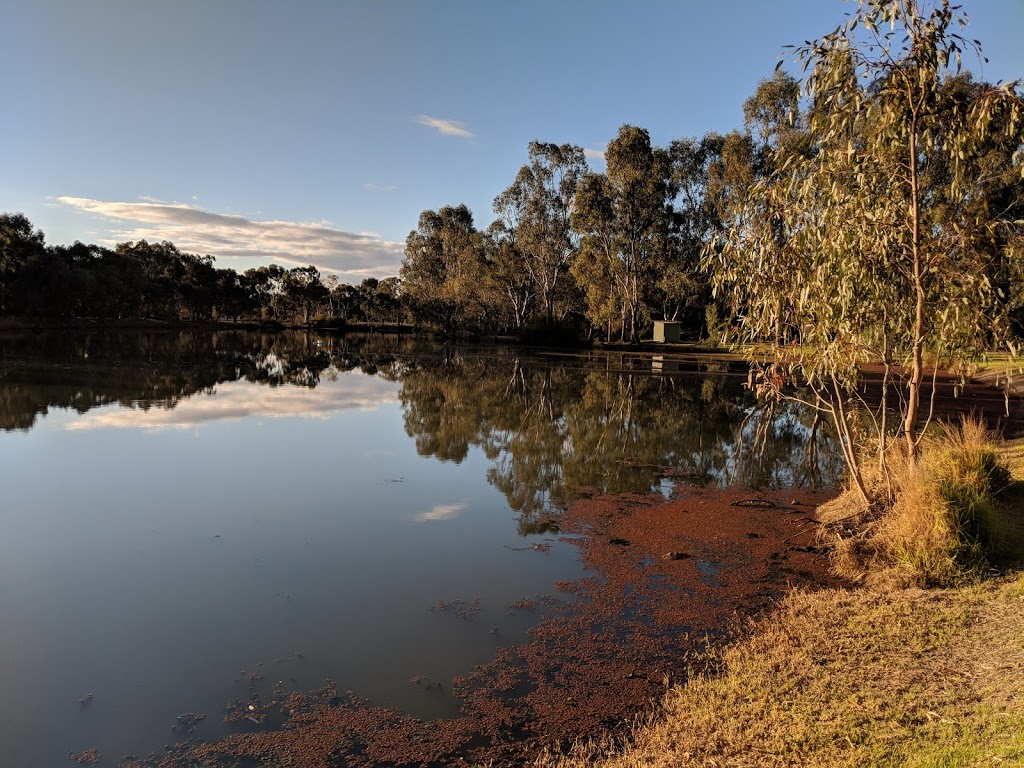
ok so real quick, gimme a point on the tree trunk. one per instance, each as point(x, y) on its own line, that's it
point(917, 362)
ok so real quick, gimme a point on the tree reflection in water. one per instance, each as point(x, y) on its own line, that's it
point(552, 432)
point(550, 429)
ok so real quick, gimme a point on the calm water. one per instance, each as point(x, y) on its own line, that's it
point(183, 510)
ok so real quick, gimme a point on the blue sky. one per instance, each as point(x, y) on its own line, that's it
point(316, 132)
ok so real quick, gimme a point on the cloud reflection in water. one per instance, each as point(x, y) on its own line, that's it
point(242, 399)
point(441, 512)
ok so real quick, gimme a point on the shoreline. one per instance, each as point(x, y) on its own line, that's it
point(664, 580)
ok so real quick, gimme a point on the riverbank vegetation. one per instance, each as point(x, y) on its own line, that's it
point(945, 526)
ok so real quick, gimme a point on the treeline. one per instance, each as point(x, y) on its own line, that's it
point(143, 280)
point(598, 254)
point(571, 253)
point(606, 253)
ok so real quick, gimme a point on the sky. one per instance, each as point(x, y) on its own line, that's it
point(316, 131)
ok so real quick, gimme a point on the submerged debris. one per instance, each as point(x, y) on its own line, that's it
point(89, 757)
point(188, 721)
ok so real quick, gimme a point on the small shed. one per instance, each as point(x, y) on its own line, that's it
point(666, 331)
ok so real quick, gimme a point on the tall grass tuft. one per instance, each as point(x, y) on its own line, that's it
point(943, 523)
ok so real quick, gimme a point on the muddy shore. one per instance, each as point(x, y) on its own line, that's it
point(664, 578)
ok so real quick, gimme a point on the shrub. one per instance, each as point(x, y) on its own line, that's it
point(933, 524)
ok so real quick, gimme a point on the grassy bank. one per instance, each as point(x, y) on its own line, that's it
point(907, 677)
point(882, 674)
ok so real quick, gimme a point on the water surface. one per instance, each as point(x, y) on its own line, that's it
point(184, 512)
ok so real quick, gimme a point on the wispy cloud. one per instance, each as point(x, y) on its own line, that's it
point(597, 154)
point(352, 255)
point(380, 187)
point(243, 399)
point(446, 127)
point(441, 512)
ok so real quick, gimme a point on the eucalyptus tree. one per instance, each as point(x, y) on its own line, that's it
point(508, 271)
point(869, 268)
point(443, 268)
point(162, 269)
point(264, 284)
point(536, 210)
point(303, 293)
point(682, 288)
point(625, 221)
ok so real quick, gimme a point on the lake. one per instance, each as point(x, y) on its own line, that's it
point(185, 513)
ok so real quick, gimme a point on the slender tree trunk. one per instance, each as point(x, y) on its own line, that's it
point(841, 418)
point(917, 363)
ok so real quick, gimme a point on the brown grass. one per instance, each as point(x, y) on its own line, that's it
point(945, 525)
point(850, 678)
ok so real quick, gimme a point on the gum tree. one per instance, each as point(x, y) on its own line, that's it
point(867, 252)
point(625, 221)
point(534, 213)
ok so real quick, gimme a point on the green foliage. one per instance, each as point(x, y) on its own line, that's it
point(442, 274)
point(534, 217)
point(625, 220)
point(863, 238)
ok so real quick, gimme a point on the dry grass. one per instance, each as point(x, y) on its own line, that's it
point(945, 525)
point(851, 678)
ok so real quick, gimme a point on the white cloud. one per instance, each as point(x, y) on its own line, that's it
point(441, 512)
point(225, 236)
point(380, 187)
point(446, 127)
point(243, 399)
point(597, 154)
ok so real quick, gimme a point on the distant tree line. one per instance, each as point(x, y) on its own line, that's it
point(701, 231)
point(136, 280)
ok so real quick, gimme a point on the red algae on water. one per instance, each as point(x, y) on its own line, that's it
point(665, 578)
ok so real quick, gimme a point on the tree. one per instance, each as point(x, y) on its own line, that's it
point(231, 296)
point(846, 239)
point(442, 270)
point(198, 287)
point(303, 293)
point(20, 245)
point(163, 274)
point(507, 268)
point(265, 285)
point(625, 219)
point(535, 211)
point(682, 287)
